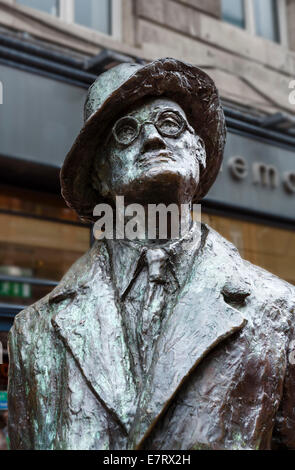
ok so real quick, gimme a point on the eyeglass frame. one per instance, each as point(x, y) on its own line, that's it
point(184, 126)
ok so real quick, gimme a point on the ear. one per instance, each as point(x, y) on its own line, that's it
point(104, 189)
point(201, 152)
point(99, 178)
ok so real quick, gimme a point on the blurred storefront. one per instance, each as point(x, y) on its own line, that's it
point(50, 53)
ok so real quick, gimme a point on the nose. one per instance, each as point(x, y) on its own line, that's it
point(151, 139)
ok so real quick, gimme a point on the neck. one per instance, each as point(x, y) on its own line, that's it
point(152, 224)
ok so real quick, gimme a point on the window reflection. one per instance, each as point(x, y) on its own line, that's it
point(49, 6)
point(94, 14)
point(233, 12)
point(266, 19)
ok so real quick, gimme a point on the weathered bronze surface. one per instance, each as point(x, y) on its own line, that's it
point(148, 344)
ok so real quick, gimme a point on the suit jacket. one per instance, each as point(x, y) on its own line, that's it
point(220, 376)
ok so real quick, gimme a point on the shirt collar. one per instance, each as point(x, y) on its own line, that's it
point(128, 257)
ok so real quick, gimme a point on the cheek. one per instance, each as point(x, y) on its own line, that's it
point(122, 163)
point(186, 150)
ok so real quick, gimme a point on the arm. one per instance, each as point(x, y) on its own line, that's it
point(18, 418)
point(284, 433)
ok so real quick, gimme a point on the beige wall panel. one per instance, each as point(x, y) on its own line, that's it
point(128, 22)
point(235, 89)
point(152, 10)
point(277, 93)
point(170, 14)
point(176, 15)
point(240, 42)
point(218, 33)
point(44, 26)
point(157, 41)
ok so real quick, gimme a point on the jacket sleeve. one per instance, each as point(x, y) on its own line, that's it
point(284, 432)
point(18, 417)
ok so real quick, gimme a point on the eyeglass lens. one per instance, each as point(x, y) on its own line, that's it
point(168, 123)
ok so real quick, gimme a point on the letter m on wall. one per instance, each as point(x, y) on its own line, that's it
point(266, 175)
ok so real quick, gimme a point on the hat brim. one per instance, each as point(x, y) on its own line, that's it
point(187, 85)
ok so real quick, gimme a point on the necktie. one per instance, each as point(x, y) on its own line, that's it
point(153, 304)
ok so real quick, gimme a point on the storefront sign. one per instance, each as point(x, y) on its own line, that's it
point(3, 401)
point(256, 176)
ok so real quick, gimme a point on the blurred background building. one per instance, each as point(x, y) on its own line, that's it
point(52, 50)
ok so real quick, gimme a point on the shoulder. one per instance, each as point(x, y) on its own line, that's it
point(37, 317)
point(266, 288)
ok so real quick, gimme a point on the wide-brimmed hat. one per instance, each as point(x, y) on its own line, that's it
point(118, 88)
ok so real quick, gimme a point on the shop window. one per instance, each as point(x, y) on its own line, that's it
point(264, 18)
point(272, 248)
point(35, 249)
point(40, 238)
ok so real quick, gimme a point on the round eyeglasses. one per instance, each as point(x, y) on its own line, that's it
point(169, 123)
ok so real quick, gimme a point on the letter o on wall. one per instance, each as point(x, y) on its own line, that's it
point(238, 167)
point(289, 181)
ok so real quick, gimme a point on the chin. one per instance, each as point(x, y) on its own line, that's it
point(163, 183)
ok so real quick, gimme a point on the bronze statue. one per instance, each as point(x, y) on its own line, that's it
point(146, 344)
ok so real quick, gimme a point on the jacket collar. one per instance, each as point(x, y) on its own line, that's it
point(90, 325)
point(128, 258)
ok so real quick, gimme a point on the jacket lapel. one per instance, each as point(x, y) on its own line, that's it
point(91, 328)
point(200, 321)
point(89, 323)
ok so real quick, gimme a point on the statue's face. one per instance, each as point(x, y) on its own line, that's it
point(151, 155)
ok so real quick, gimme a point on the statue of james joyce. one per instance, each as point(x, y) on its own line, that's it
point(149, 344)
